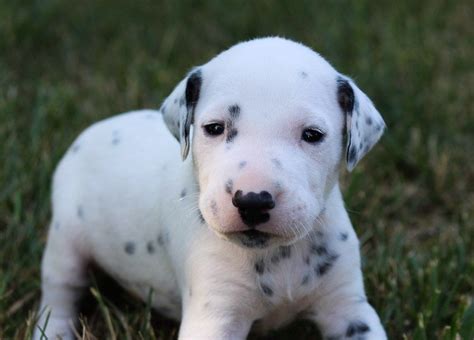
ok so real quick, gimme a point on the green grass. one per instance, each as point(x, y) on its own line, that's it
point(64, 65)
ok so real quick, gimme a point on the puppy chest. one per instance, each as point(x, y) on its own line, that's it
point(291, 273)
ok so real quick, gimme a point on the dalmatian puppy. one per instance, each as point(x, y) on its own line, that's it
point(247, 231)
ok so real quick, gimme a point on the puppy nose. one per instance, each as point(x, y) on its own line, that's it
point(253, 201)
point(253, 207)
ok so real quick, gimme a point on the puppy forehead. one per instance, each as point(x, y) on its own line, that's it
point(274, 105)
point(269, 53)
point(270, 74)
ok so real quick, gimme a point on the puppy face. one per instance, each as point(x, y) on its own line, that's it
point(268, 118)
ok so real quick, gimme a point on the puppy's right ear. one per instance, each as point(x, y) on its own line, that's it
point(364, 124)
point(178, 109)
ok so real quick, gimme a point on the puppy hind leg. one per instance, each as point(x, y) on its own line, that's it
point(64, 278)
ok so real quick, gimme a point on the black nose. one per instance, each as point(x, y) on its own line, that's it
point(253, 207)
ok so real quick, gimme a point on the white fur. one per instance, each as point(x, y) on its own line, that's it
point(123, 199)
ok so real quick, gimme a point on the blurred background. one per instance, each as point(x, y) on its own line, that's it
point(65, 65)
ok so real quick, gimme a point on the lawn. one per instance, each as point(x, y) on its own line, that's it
point(64, 65)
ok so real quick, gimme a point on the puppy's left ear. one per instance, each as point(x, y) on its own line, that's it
point(178, 109)
point(364, 124)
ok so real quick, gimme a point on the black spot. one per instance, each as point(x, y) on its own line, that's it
point(360, 146)
point(75, 148)
point(368, 120)
point(322, 268)
point(229, 186)
point(260, 266)
point(343, 236)
point(266, 289)
point(231, 130)
point(307, 260)
point(183, 193)
point(182, 101)
point(163, 239)
point(285, 252)
point(275, 259)
point(357, 327)
point(242, 164)
point(276, 162)
point(345, 95)
point(201, 218)
point(379, 127)
point(303, 74)
point(325, 265)
point(234, 111)
point(231, 135)
point(318, 249)
point(352, 154)
point(175, 100)
point(163, 109)
point(80, 212)
point(305, 280)
point(115, 138)
point(150, 247)
point(129, 248)
point(214, 207)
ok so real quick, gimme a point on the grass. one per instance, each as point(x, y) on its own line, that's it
point(64, 65)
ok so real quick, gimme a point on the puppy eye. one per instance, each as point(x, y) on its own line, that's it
point(214, 129)
point(312, 135)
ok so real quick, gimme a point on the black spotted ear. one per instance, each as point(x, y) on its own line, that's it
point(178, 109)
point(364, 124)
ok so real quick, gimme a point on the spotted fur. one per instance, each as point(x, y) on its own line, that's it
point(166, 226)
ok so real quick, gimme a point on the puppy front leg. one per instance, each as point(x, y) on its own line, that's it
point(345, 314)
point(357, 320)
point(213, 319)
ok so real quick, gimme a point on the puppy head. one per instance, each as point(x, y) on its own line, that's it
point(269, 118)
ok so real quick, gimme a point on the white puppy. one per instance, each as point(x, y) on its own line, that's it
point(250, 231)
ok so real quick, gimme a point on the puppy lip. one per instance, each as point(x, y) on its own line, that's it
point(252, 238)
point(253, 233)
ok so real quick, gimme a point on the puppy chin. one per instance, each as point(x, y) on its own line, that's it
point(254, 239)
point(264, 236)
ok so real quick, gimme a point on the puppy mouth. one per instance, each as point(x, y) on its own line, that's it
point(253, 238)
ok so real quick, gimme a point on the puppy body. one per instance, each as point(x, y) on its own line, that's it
point(168, 230)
